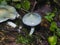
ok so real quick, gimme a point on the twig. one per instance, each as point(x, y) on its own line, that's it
point(41, 42)
point(34, 5)
point(24, 10)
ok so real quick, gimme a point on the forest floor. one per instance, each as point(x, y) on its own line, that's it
point(9, 34)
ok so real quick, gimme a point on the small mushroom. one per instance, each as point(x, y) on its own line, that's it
point(8, 12)
point(31, 19)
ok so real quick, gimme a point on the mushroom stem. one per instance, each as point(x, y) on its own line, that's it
point(31, 31)
point(11, 24)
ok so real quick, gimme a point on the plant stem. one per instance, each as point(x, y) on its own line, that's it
point(24, 10)
point(34, 5)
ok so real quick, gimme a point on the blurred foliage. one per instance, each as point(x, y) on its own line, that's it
point(58, 32)
point(18, 6)
point(53, 26)
point(49, 16)
point(24, 39)
point(4, 2)
point(52, 40)
point(1, 1)
point(25, 4)
point(57, 1)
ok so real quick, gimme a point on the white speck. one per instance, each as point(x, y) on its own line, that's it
point(20, 27)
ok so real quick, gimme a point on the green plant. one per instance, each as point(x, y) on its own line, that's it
point(24, 39)
point(52, 40)
point(1, 1)
point(25, 4)
point(58, 31)
point(4, 2)
point(53, 26)
point(50, 16)
point(18, 6)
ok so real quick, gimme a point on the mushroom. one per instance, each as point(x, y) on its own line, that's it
point(8, 12)
point(31, 19)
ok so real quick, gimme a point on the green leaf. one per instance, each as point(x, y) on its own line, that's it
point(25, 4)
point(1, 1)
point(49, 16)
point(53, 26)
point(18, 6)
point(58, 32)
point(52, 40)
point(52, 15)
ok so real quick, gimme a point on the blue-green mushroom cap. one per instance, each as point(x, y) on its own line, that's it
point(7, 12)
point(31, 19)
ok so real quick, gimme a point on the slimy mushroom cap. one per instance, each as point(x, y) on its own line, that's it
point(31, 19)
point(7, 12)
